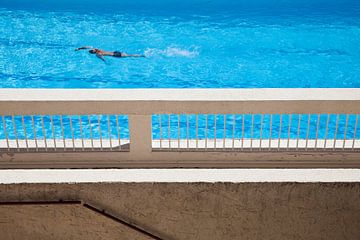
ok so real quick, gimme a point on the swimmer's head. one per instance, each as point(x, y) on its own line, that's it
point(92, 51)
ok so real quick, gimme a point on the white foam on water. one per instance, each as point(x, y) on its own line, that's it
point(171, 52)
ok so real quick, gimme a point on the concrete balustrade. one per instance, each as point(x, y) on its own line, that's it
point(143, 151)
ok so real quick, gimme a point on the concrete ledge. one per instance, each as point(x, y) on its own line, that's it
point(181, 95)
point(178, 101)
point(179, 175)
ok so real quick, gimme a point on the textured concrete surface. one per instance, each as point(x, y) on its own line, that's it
point(187, 211)
point(60, 222)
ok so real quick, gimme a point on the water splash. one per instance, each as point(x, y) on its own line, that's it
point(172, 52)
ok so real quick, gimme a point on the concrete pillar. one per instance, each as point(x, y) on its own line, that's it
point(140, 135)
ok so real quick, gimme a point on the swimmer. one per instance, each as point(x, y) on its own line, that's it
point(101, 53)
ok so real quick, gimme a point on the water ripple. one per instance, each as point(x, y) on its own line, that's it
point(222, 49)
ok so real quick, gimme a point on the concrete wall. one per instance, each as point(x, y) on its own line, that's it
point(44, 222)
point(185, 211)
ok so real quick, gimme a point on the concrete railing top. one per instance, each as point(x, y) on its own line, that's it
point(197, 94)
point(190, 101)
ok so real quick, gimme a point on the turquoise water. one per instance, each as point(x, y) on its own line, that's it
point(188, 44)
point(206, 44)
point(96, 127)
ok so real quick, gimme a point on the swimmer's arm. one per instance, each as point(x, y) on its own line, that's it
point(101, 57)
point(84, 47)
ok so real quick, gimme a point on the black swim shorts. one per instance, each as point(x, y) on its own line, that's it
point(118, 54)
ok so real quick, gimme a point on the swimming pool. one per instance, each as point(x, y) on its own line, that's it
point(188, 44)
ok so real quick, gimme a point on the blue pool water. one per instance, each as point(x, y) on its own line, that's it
point(206, 44)
point(188, 44)
point(227, 126)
